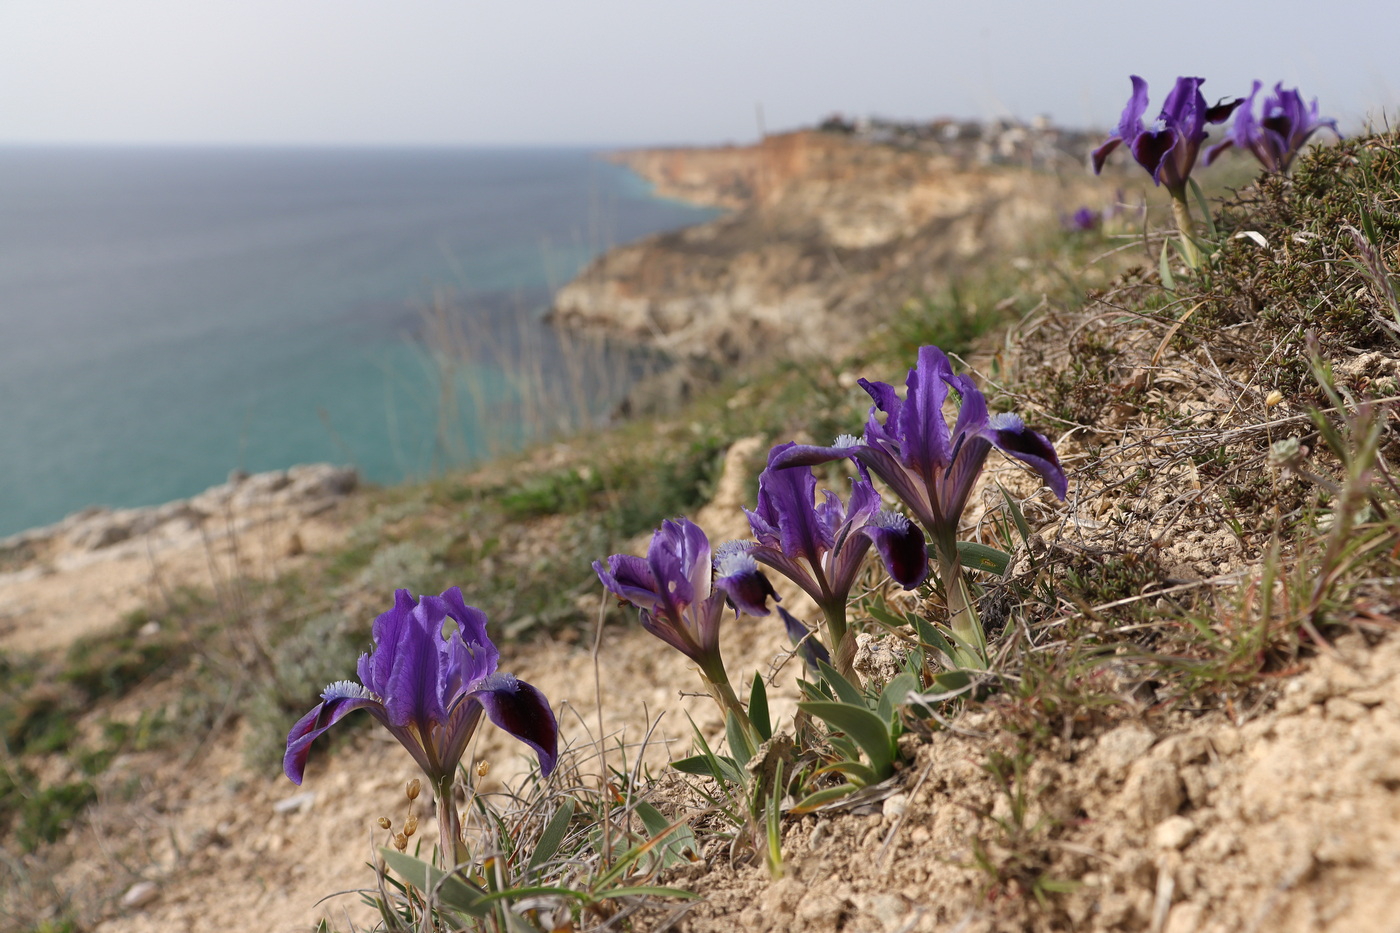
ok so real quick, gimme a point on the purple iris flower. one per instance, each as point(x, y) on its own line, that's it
point(429, 689)
point(1168, 147)
point(673, 589)
point(1085, 219)
point(681, 598)
point(820, 545)
point(1282, 129)
point(931, 468)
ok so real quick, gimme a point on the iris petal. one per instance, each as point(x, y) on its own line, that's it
point(523, 711)
point(901, 547)
point(420, 683)
point(1010, 435)
point(737, 574)
point(311, 726)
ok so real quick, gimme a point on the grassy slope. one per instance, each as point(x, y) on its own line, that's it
point(1188, 571)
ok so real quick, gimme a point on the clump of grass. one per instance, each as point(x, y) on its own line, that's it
point(34, 813)
point(40, 708)
point(1330, 231)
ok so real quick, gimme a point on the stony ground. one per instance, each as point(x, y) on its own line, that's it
point(1172, 744)
point(1285, 817)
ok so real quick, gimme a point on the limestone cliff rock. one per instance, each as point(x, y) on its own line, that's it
point(827, 233)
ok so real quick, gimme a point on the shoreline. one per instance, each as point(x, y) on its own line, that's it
point(825, 232)
point(81, 575)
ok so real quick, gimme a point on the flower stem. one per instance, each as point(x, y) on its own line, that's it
point(453, 851)
point(969, 638)
point(724, 695)
point(1181, 212)
point(843, 647)
point(718, 682)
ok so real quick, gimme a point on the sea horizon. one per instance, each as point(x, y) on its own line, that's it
point(171, 313)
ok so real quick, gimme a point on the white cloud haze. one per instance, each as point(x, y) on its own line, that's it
point(612, 72)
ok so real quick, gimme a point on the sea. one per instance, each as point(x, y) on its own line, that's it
point(168, 315)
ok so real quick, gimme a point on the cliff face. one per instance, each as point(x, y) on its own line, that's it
point(827, 232)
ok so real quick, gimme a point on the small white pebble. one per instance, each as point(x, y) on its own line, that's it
point(140, 894)
point(1174, 832)
point(295, 803)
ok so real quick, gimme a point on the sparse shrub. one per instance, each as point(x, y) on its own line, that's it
point(317, 653)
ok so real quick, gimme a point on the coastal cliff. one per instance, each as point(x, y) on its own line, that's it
point(827, 232)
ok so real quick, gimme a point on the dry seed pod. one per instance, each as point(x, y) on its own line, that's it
point(410, 825)
point(413, 787)
point(483, 768)
point(383, 822)
point(400, 841)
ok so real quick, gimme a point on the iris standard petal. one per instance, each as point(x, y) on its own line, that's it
point(1184, 109)
point(523, 711)
point(886, 400)
point(1130, 123)
point(695, 557)
point(376, 667)
point(471, 623)
point(972, 406)
point(786, 498)
point(667, 560)
point(924, 443)
point(416, 682)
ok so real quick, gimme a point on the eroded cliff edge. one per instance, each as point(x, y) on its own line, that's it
point(827, 233)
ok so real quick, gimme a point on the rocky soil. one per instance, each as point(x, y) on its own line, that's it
point(63, 581)
point(1274, 818)
point(1266, 801)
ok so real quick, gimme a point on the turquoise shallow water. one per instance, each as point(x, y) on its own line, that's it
point(167, 315)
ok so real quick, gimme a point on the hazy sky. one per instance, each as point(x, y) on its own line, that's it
point(646, 71)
